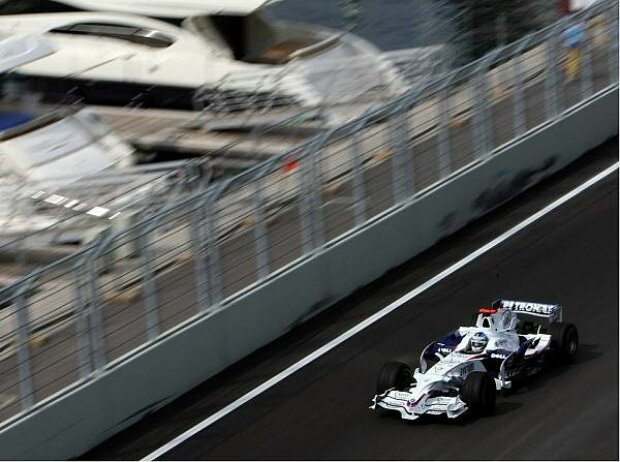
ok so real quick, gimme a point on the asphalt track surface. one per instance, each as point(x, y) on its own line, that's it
point(321, 412)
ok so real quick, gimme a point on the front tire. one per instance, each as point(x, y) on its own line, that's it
point(395, 375)
point(564, 342)
point(479, 393)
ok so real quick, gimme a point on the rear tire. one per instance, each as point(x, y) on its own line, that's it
point(564, 342)
point(395, 375)
point(479, 393)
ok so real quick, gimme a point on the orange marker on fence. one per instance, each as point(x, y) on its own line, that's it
point(290, 165)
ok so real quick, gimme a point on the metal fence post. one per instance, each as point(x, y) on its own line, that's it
point(85, 353)
point(400, 147)
point(149, 287)
point(587, 83)
point(612, 21)
point(316, 190)
point(615, 48)
point(213, 250)
point(560, 60)
point(95, 317)
point(518, 106)
point(551, 79)
point(199, 243)
point(260, 228)
point(443, 130)
point(305, 186)
point(359, 193)
point(311, 215)
point(482, 131)
point(22, 321)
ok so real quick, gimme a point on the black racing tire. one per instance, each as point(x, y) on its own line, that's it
point(479, 393)
point(564, 342)
point(395, 375)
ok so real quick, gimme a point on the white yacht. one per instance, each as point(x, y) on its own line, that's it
point(61, 168)
point(159, 53)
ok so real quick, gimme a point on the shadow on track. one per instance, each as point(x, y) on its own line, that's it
point(587, 352)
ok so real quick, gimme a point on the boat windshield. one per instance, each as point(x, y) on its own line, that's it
point(253, 38)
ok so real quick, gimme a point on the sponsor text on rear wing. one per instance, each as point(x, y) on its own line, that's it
point(553, 312)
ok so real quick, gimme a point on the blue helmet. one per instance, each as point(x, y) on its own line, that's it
point(478, 342)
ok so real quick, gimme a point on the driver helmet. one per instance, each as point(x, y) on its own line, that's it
point(478, 342)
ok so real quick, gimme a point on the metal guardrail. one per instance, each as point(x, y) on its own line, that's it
point(63, 323)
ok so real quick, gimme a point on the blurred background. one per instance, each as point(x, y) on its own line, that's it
point(476, 26)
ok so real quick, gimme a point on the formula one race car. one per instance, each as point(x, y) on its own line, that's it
point(462, 372)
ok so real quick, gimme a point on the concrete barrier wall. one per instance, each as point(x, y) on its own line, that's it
point(87, 415)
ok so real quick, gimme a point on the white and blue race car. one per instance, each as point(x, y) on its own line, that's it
point(464, 371)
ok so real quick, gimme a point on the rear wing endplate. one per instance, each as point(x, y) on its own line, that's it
point(552, 312)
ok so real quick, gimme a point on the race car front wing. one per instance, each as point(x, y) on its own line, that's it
point(411, 408)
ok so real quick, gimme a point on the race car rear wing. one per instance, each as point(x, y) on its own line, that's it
point(552, 312)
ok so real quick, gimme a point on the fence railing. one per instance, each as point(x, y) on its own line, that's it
point(63, 323)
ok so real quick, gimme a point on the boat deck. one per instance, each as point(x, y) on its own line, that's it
point(253, 137)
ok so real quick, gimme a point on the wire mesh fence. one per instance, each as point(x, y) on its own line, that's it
point(65, 322)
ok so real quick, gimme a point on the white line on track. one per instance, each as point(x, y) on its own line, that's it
point(377, 316)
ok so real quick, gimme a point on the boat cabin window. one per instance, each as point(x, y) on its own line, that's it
point(148, 37)
point(233, 30)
